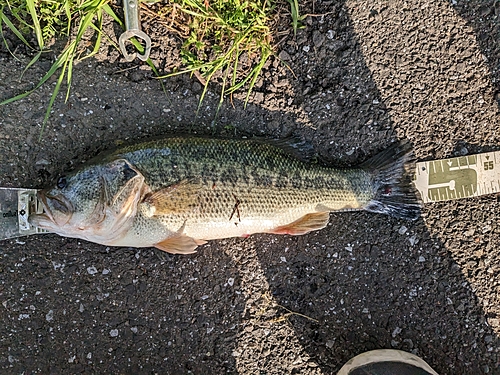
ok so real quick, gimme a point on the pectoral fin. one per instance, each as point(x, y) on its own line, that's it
point(176, 199)
point(180, 244)
point(305, 224)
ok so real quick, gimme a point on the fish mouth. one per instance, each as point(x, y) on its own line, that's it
point(51, 204)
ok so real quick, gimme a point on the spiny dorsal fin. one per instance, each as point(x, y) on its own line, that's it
point(305, 224)
point(180, 244)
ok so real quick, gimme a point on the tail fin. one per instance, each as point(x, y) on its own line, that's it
point(395, 193)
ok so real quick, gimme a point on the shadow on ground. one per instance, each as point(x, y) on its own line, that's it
point(375, 282)
point(369, 281)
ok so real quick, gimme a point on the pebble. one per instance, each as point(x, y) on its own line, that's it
point(196, 87)
point(284, 56)
point(396, 331)
point(413, 240)
point(42, 162)
point(318, 38)
point(113, 333)
point(49, 316)
point(91, 270)
point(402, 230)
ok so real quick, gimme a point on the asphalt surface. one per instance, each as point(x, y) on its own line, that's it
point(362, 75)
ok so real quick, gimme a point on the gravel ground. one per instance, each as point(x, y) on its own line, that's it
point(363, 74)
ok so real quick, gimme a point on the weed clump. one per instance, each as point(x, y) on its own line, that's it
point(230, 40)
point(225, 40)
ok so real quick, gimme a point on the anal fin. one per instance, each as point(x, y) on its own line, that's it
point(305, 224)
point(181, 244)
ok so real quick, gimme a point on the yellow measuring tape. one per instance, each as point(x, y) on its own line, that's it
point(459, 177)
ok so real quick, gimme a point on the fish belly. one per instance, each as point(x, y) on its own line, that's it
point(240, 212)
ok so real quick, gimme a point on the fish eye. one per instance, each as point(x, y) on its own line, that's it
point(61, 182)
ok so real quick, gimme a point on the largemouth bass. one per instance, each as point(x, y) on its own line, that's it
point(176, 194)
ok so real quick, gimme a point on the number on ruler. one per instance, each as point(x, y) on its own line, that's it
point(488, 165)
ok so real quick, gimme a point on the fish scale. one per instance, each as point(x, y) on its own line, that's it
point(176, 193)
point(271, 185)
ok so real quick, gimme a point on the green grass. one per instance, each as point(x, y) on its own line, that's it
point(229, 41)
point(296, 17)
point(47, 19)
point(219, 33)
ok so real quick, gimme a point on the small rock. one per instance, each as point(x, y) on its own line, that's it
point(284, 56)
point(258, 97)
point(486, 228)
point(402, 230)
point(196, 87)
point(396, 331)
point(230, 281)
point(91, 270)
point(49, 316)
point(113, 333)
point(42, 162)
point(306, 48)
point(413, 240)
point(470, 232)
point(318, 38)
point(421, 259)
point(136, 76)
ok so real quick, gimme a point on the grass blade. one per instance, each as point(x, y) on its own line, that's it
point(13, 28)
point(36, 22)
point(30, 64)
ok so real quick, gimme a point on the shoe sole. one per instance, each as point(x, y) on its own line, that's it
point(385, 355)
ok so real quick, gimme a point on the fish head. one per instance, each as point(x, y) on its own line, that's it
point(97, 202)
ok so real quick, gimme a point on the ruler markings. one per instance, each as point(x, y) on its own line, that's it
point(459, 177)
